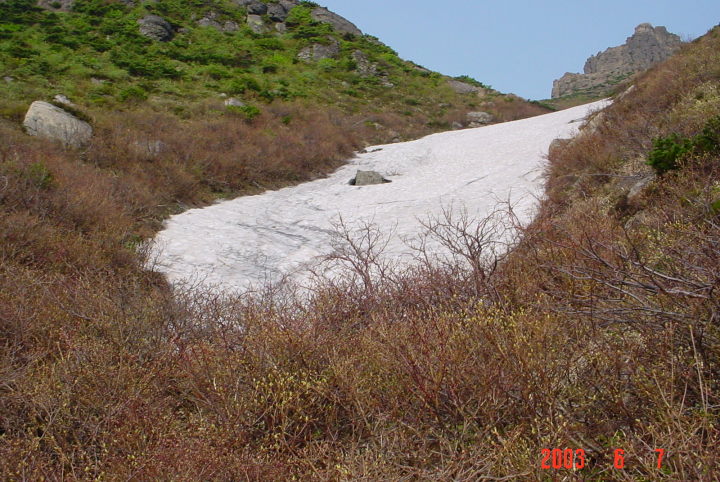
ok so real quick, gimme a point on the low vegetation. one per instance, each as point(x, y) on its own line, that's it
point(598, 331)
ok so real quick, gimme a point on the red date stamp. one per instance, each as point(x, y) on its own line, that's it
point(575, 459)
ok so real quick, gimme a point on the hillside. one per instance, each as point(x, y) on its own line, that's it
point(184, 58)
point(598, 332)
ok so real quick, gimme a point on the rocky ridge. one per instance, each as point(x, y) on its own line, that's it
point(646, 47)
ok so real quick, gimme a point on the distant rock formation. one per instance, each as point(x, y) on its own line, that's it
point(646, 47)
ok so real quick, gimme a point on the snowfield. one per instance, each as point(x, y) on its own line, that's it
point(237, 244)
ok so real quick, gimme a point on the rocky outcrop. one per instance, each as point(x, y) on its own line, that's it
point(156, 28)
point(213, 20)
point(51, 122)
point(463, 87)
point(57, 5)
point(256, 23)
point(646, 47)
point(339, 23)
point(478, 119)
point(316, 52)
point(364, 67)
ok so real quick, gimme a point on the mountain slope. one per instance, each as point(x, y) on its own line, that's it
point(174, 54)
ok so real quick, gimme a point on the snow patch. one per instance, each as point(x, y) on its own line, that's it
point(250, 240)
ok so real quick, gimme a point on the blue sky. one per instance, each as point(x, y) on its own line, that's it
point(517, 46)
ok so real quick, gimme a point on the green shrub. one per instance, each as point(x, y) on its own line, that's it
point(709, 139)
point(667, 151)
point(249, 112)
point(133, 93)
point(240, 85)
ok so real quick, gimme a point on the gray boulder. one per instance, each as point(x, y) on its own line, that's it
point(462, 87)
point(277, 12)
point(316, 52)
point(339, 23)
point(233, 102)
point(51, 122)
point(367, 178)
point(62, 99)
point(477, 119)
point(257, 8)
point(288, 4)
point(57, 5)
point(256, 24)
point(211, 20)
point(156, 28)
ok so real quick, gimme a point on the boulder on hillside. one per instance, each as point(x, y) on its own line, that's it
point(316, 52)
point(212, 20)
point(462, 87)
point(233, 102)
point(339, 23)
point(277, 12)
point(156, 28)
point(256, 24)
point(477, 119)
point(257, 8)
point(57, 5)
point(51, 122)
point(367, 178)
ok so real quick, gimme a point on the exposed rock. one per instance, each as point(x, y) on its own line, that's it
point(315, 52)
point(156, 28)
point(9, 79)
point(277, 12)
point(230, 26)
point(56, 5)
point(367, 178)
point(639, 187)
point(62, 99)
point(646, 47)
point(592, 125)
point(212, 20)
point(365, 67)
point(46, 120)
point(281, 27)
point(477, 119)
point(558, 145)
point(462, 87)
point(256, 23)
point(288, 4)
point(339, 23)
point(257, 8)
point(456, 125)
point(233, 102)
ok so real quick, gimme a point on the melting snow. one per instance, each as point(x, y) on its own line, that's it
point(250, 240)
